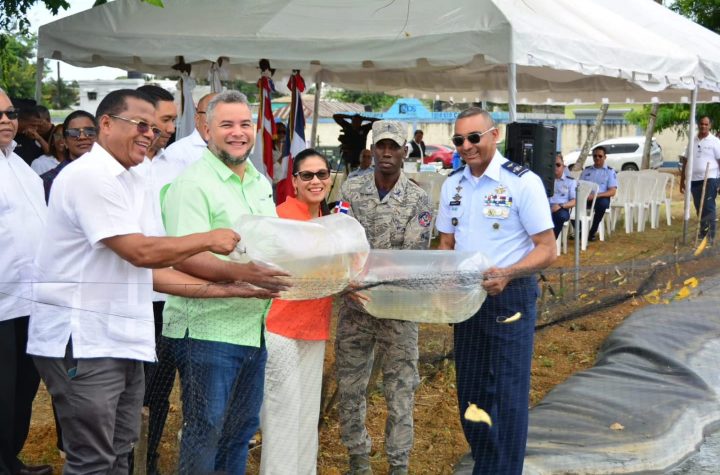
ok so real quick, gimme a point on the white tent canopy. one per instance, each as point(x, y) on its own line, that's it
point(564, 50)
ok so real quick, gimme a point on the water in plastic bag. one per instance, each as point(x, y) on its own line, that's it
point(424, 286)
point(322, 255)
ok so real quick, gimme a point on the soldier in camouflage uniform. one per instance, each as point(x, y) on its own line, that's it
point(396, 215)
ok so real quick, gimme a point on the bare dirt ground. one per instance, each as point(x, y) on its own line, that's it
point(560, 351)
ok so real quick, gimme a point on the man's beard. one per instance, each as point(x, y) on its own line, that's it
point(228, 159)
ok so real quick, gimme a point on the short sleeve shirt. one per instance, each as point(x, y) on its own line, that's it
point(707, 154)
point(22, 219)
point(564, 190)
point(82, 288)
point(497, 214)
point(206, 196)
point(605, 177)
point(299, 319)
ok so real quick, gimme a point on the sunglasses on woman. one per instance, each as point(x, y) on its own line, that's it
point(89, 132)
point(307, 176)
point(473, 138)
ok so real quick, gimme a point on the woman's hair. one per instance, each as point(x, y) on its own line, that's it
point(74, 115)
point(299, 158)
point(56, 129)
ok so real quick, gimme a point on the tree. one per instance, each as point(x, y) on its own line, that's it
point(69, 94)
point(676, 116)
point(13, 13)
point(17, 64)
point(378, 101)
point(702, 12)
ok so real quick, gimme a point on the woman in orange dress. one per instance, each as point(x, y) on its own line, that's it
point(296, 331)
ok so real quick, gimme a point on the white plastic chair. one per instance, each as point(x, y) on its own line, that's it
point(584, 212)
point(644, 197)
point(624, 199)
point(667, 197)
point(658, 198)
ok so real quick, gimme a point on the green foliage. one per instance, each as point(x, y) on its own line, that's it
point(674, 116)
point(376, 100)
point(17, 65)
point(13, 13)
point(702, 12)
point(69, 94)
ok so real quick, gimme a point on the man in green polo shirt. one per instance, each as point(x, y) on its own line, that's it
point(218, 343)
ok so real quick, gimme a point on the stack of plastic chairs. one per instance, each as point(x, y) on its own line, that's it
point(647, 182)
point(625, 200)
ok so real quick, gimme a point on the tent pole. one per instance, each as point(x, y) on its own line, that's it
point(316, 111)
point(512, 91)
point(690, 155)
point(38, 79)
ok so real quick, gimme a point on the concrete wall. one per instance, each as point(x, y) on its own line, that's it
point(573, 134)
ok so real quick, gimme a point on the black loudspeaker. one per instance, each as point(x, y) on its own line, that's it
point(533, 146)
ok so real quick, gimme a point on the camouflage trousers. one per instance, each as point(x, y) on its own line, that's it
point(361, 338)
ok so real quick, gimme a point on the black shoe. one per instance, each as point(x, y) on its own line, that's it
point(591, 238)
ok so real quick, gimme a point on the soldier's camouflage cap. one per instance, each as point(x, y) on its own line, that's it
point(389, 129)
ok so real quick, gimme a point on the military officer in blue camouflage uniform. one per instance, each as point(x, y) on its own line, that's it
point(563, 199)
point(499, 208)
point(606, 178)
point(396, 215)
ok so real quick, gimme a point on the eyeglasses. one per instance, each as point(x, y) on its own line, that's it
point(89, 132)
point(142, 127)
point(11, 114)
point(200, 112)
point(473, 138)
point(307, 176)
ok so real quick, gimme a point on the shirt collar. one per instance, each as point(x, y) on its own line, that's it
point(224, 172)
point(197, 139)
point(397, 192)
point(103, 156)
point(299, 205)
point(9, 149)
point(493, 169)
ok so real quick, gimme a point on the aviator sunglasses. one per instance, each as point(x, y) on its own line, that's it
point(307, 176)
point(142, 127)
point(89, 132)
point(473, 138)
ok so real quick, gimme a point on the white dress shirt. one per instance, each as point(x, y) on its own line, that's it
point(185, 151)
point(159, 172)
point(82, 288)
point(22, 218)
point(44, 163)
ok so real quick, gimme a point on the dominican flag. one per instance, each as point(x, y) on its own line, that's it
point(262, 156)
point(341, 207)
point(295, 140)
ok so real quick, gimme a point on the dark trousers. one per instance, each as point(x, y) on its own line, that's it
point(707, 220)
point(98, 403)
point(19, 382)
point(493, 362)
point(559, 218)
point(601, 205)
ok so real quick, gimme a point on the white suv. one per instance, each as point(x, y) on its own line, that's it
point(623, 153)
